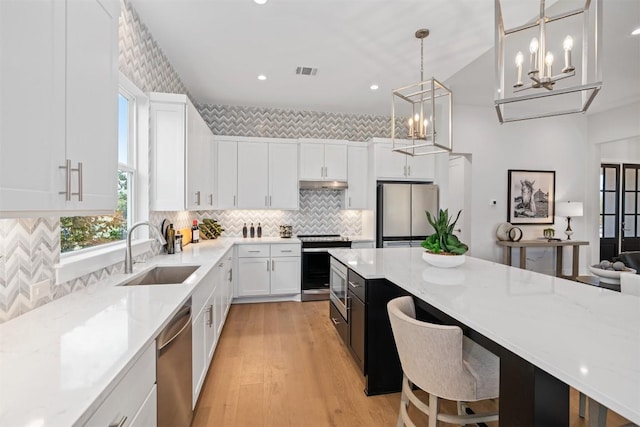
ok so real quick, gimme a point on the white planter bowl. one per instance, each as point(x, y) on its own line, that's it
point(609, 276)
point(443, 261)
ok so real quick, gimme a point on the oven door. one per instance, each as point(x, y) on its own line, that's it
point(315, 269)
point(338, 286)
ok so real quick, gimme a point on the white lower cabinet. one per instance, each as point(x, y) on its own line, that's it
point(148, 414)
point(210, 301)
point(265, 270)
point(133, 397)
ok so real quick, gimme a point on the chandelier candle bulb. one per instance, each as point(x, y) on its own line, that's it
point(549, 61)
point(519, 61)
point(533, 60)
point(567, 45)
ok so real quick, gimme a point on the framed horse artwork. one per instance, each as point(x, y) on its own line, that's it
point(531, 197)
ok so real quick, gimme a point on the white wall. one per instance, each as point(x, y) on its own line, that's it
point(556, 143)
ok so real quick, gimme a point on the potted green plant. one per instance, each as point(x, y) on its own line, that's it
point(443, 248)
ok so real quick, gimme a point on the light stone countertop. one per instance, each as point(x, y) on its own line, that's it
point(59, 361)
point(587, 337)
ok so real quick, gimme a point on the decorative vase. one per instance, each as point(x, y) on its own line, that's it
point(443, 260)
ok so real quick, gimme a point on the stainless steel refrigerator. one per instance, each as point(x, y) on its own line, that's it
point(401, 220)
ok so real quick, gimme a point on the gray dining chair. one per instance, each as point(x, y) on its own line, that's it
point(441, 361)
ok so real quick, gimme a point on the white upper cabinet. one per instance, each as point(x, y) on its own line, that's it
point(181, 160)
point(253, 172)
point(357, 178)
point(59, 55)
point(323, 161)
point(398, 166)
point(266, 176)
point(227, 174)
point(283, 176)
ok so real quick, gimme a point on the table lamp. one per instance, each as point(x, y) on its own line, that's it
point(570, 210)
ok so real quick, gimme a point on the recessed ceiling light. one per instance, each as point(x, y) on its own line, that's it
point(262, 77)
point(373, 87)
point(259, 1)
point(636, 32)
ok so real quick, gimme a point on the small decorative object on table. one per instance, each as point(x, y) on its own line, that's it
point(443, 249)
point(609, 272)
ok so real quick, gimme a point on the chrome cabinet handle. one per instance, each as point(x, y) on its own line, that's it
point(268, 265)
point(335, 321)
point(119, 423)
point(354, 285)
point(210, 321)
point(273, 265)
point(270, 201)
point(211, 199)
point(80, 179)
point(285, 251)
point(198, 198)
point(255, 252)
point(67, 180)
point(234, 200)
point(409, 168)
point(230, 275)
point(405, 171)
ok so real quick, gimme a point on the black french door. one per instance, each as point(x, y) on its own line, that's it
point(630, 236)
point(619, 209)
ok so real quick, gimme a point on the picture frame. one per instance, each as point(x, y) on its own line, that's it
point(531, 197)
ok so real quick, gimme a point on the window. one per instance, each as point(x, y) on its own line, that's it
point(80, 232)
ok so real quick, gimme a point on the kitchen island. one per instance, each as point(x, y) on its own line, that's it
point(550, 333)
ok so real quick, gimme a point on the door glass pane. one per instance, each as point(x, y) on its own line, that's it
point(629, 203)
point(629, 226)
point(610, 202)
point(600, 225)
point(629, 179)
point(123, 129)
point(609, 226)
point(610, 179)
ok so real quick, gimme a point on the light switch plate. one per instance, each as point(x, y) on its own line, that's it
point(40, 290)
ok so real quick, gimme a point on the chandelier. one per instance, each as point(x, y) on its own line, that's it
point(537, 92)
point(421, 114)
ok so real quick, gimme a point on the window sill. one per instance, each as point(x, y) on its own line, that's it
point(77, 265)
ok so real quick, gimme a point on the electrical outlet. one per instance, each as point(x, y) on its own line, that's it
point(493, 202)
point(40, 290)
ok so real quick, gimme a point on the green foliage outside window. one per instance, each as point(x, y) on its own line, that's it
point(80, 232)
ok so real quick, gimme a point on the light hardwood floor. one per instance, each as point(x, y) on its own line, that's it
point(283, 364)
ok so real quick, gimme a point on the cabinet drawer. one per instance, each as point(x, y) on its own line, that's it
point(130, 394)
point(339, 323)
point(357, 285)
point(253, 251)
point(285, 249)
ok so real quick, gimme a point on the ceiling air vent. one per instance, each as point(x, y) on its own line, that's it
point(306, 71)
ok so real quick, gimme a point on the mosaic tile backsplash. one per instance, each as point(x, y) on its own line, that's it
point(320, 213)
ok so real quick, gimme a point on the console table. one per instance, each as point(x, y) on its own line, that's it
point(558, 244)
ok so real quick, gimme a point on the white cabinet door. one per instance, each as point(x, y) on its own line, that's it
point(285, 275)
point(68, 66)
point(390, 164)
point(32, 115)
point(253, 276)
point(168, 156)
point(335, 162)
point(92, 103)
point(283, 176)
point(421, 167)
point(210, 176)
point(253, 175)
point(311, 161)
point(227, 174)
point(148, 413)
point(211, 329)
point(198, 156)
point(357, 178)
point(198, 352)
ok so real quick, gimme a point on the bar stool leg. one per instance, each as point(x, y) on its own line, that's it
point(434, 409)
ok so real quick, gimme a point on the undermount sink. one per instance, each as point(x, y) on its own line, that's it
point(163, 275)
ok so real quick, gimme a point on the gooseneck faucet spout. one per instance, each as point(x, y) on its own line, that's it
point(128, 261)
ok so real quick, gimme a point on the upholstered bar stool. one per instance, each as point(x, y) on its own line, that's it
point(441, 361)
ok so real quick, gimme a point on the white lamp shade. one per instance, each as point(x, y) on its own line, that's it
point(569, 209)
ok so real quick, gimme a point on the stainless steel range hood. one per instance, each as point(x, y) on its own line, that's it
point(323, 185)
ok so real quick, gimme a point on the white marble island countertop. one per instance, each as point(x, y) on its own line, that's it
point(58, 362)
point(585, 336)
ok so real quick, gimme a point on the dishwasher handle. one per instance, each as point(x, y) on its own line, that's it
point(180, 321)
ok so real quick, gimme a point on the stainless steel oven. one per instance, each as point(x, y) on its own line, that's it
point(315, 264)
point(338, 286)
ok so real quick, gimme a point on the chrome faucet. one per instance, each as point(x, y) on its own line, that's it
point(128, 262)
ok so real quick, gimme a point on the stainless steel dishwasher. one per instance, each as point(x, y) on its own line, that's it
point(174, 371)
